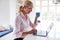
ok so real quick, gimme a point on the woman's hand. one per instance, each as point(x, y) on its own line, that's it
point(32, 31)
point(29, 32)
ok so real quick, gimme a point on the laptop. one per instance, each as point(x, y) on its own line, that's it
point(44, 33)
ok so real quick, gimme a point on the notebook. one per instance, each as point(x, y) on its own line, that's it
point(44, 33)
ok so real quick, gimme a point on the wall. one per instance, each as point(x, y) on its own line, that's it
point(12, 7)
point(4, 12)
point(7, 12)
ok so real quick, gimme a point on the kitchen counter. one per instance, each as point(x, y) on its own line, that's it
point(33, 37)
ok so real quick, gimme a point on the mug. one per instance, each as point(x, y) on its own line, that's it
point(37, 14)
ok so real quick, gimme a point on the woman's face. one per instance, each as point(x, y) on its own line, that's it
point(27, 10)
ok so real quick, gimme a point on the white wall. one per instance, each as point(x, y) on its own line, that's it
point(12, 7)
point(7, 12)
point(4, 12)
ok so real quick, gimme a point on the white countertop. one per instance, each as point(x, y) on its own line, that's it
point(28, 37)
point(32, 37)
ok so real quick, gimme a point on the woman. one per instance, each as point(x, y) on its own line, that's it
point(23, 24)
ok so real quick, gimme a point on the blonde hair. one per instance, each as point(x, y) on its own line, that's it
point(28, 3)
point(20, 9)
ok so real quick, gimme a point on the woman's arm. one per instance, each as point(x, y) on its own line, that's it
point(29, 32)
point(33, 25)
point(35, 21)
